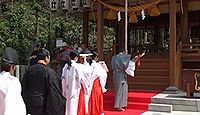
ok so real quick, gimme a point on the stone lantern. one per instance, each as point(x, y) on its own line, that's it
point(76, 4)
point(53, 5)
point(65, 4)
point(86, 3)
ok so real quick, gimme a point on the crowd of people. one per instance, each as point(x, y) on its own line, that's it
point(77, 90)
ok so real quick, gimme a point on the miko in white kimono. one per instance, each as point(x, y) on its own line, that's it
point(11, 102)
point(75, 85)
point(94, 99)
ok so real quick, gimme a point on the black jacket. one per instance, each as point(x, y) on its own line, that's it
point(42, 91)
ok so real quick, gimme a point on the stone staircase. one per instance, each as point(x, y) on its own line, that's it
point(175, 102)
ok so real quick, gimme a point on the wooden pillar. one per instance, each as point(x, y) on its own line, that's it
point(184, 22)
point(100, 31)
point(85, 27)
point(172, 45)
point(199, 27)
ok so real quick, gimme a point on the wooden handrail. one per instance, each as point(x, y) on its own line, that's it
point(190, 52)
point(191, 44)
point(190, 47)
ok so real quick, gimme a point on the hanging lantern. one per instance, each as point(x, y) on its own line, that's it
point(86, 3)
point(112, 15)
point(133, 18)
point(53, 5)
point(154, 11)
point(76, 4)
point(65, 4)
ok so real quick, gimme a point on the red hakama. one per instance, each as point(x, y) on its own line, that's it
point(96, 99)
point(81, 102)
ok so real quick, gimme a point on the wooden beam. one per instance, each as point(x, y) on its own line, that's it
point(100, 31)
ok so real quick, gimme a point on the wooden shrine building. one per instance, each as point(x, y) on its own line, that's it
point(169, 30)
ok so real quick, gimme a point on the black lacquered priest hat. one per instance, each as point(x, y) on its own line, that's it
point(10, 55)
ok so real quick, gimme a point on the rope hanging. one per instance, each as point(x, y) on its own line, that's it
point(130, 8)
point(112, 15)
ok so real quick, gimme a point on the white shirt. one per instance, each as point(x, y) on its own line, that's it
point(11, 102)
point(131, 69)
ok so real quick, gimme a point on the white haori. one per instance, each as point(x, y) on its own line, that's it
point(72, 78)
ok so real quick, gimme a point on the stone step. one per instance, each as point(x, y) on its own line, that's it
point(185, 108)
point(160, 107)
point(175, 101)
point(172, 113)
point(178, 102)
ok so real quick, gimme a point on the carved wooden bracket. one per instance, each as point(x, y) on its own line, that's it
point(197, 81)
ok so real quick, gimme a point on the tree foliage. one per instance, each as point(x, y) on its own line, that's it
point(23, 23)
point(109, 37)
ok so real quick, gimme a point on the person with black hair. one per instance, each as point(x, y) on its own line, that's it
point(32, 58)
point(84, 49)
point(94, 99)
point(11, 102)
point(42, 88)
point(123, 64)
point(62, 57)
point(75, 82)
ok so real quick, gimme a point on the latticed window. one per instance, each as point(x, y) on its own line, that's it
point(146, 38)
point(141, 37)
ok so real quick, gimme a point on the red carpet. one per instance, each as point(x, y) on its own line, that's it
point(137, 103)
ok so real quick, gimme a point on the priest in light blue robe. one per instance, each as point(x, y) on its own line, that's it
point(119, 64)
